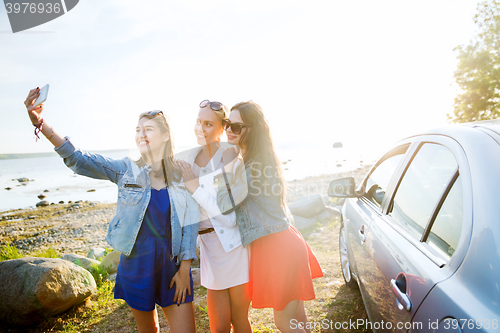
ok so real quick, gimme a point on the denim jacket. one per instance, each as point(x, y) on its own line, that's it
point(259, 211)
point(134, 193)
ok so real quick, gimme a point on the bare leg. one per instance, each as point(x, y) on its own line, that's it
point(147, 321)
point(219, 310)
point(239, 309)
point(180, 318)
point(302, 316)
point(283, 318)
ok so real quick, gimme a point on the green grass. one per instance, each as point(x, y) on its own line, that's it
point(47, 253)
point(8, 252)
point(334, 303)
point(100, 275)
point(91, 313)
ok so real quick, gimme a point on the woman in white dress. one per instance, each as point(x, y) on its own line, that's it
point(224, 262)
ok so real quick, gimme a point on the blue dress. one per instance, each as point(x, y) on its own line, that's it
point(143, 278)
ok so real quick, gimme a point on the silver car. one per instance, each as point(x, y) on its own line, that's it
point(421, 235)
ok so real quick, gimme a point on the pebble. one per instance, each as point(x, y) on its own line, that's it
point(42, 203)
point(65, 232)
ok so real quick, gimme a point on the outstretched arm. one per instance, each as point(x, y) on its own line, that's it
point(81, 162)
point(35, 114)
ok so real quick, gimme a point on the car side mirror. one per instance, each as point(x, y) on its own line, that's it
point(342, 188)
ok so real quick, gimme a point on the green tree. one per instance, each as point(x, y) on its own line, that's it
point(478, 72)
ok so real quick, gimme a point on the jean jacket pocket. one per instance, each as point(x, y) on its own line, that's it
point(130, 191)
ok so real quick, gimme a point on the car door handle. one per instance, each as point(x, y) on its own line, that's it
point(404, 301)
point(361, 233)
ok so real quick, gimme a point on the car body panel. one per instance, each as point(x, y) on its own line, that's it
point(438, 287)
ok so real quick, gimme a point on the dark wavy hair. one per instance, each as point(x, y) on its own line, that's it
point(171, 168)
point(259, 147)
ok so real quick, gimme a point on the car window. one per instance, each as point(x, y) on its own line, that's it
point(422, 186)
point(447, 227)
point(376, 183)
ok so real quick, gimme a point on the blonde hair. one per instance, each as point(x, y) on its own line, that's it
point(222, 114)
point(171, 169)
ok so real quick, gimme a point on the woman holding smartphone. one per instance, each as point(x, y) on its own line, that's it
point(224, 262)
point(282, 265)
point(156, 221)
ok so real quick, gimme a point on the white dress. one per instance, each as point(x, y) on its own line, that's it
point(224, 262)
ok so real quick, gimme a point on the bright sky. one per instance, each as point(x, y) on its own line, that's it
point(366, 73)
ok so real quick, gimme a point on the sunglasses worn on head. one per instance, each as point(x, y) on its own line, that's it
point(235, 127)
point(216, 106)
point(150, 113)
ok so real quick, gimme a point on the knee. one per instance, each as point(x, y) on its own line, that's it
point(151, 329)
point(220, 329)
point(282, 324)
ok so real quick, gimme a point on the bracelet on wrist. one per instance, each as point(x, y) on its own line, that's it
point(38, 129)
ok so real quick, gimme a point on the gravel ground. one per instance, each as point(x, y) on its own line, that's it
point(77, 227)
point(67, 228)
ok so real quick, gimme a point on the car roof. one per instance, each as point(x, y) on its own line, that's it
point(492, 125)
point(457, 131)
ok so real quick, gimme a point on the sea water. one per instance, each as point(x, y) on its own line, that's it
point(50, 177)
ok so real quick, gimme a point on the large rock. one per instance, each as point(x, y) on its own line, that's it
point(111, 277)
point(34, 288)
point(87, 263)
point(300, 222)
point(308, 206)
point(329, 214)
point(195, 272)
point(335, 212)
point(96, 253)
point(110, 262)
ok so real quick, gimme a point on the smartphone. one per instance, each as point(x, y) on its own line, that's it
point(43, 95)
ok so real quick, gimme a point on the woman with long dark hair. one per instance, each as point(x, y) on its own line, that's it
point(282, 265)
point(156, 221)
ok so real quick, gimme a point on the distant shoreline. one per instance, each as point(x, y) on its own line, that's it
point(51, 154)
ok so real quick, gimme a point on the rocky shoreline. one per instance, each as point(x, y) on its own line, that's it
point(76, 232)
point(67, 228)
point(79, 226)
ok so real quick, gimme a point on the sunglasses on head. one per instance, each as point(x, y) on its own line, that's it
point(151, 113)
point(235, 127)
point(216, 106)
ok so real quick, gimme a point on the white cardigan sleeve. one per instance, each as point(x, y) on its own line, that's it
point(209, 204)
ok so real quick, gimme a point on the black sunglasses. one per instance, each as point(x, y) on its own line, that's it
point(235, 127)
point(216, 106)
